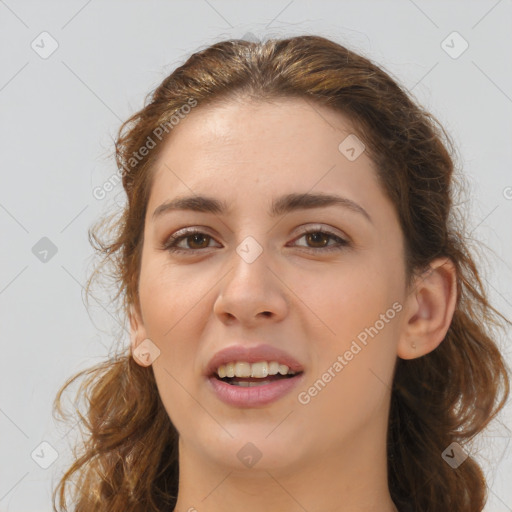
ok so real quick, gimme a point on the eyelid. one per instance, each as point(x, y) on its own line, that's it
point(183, 233)
point(314, 227)
point(170, 243)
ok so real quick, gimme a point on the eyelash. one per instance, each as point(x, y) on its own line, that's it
point(171, 243)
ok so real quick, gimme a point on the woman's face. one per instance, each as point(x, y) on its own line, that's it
point(329, 302)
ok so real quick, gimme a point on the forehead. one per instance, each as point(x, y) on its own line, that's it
point(242, 147)
point(228, 126)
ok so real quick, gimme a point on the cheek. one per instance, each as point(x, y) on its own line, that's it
point(359, 306)
point(342, 300)
point(173, 312)
point(170, 296)
point(351, 377)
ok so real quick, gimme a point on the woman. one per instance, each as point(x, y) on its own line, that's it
point(308, 328)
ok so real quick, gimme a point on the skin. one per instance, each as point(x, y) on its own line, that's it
point(328, 454)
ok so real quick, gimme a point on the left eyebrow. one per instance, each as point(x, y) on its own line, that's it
point(280, 206)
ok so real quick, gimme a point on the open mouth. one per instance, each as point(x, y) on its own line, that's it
point(243, 384)
point(253, 377)
point(253, 374)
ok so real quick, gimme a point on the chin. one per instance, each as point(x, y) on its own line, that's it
point(250, 448)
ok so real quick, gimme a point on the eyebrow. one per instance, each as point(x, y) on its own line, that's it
point(280, 206)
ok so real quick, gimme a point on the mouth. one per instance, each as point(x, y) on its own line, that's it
point(239, 385)
point(252, 376)
point(261, 373)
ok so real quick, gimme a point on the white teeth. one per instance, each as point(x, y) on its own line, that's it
point(273, 368)
point(242, 369)
point(230, 370)
point(283, 369)
point(258, 370)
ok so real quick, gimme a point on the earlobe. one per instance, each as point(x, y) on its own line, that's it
point(429, 310)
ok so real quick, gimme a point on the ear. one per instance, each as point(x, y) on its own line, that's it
point(137, 335)
point(429, 309)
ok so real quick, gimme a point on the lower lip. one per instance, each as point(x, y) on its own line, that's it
point(253, 396)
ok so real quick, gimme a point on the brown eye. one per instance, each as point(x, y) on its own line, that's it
point(318, 239)
point(194, 241)
point(190, 241)
point(197, 239)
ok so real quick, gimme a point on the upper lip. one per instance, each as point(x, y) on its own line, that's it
point(253, 354)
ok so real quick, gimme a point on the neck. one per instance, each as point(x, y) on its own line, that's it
point(341, 480)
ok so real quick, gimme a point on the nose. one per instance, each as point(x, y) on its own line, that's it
point(251, 292)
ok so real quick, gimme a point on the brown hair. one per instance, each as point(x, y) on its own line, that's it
point(129, 458)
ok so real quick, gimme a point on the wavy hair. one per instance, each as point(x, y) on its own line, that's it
point(127, 460)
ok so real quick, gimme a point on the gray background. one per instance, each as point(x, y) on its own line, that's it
point(58, 117)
